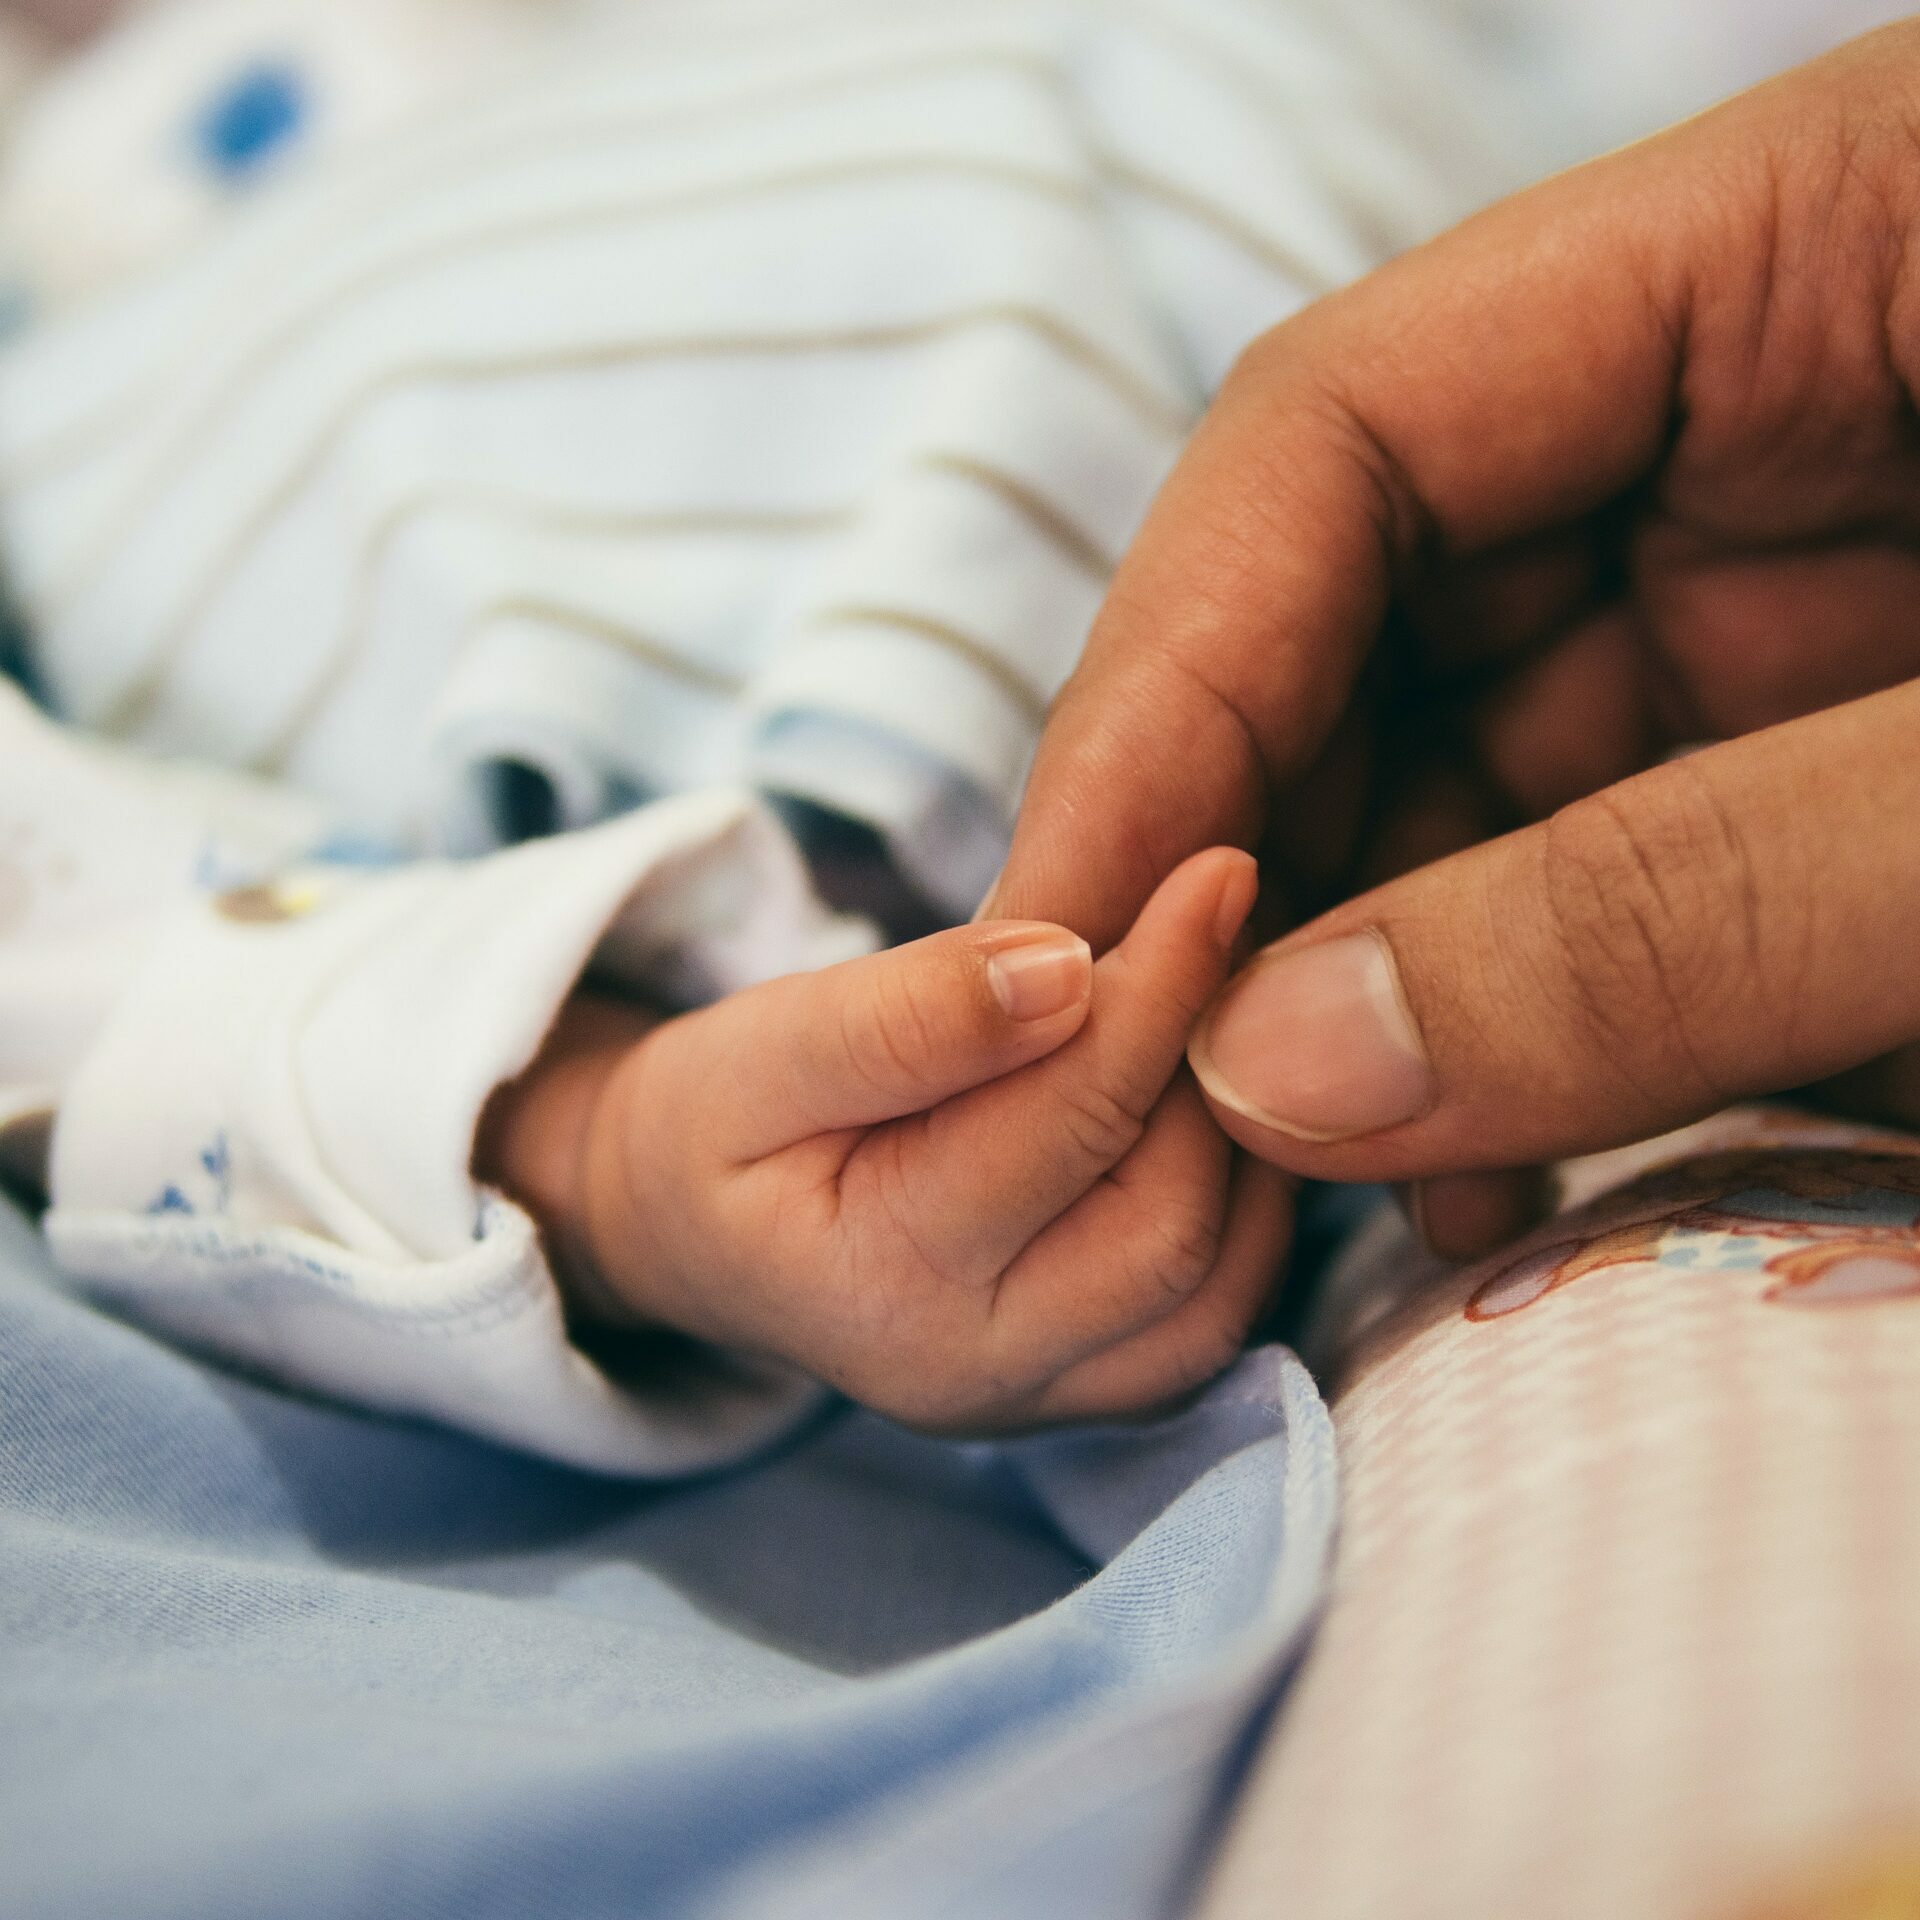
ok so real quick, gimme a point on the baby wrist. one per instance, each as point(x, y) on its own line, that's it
point(537, 1145)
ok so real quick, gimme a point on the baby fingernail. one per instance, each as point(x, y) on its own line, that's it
point(1041, 978)
point(1318, 1043)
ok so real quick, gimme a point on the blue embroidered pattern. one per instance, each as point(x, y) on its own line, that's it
point(216, 1162)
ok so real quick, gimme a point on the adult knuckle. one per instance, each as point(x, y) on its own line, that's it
point(1651, 903)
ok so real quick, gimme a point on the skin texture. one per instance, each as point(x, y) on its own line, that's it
point(1628, 463)
point(969, 1220)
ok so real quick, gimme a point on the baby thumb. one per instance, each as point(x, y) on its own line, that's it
point(895, 1033)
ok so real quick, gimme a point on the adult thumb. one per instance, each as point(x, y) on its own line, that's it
point(1735, 923)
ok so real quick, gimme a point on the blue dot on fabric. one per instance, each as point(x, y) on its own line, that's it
point(251, 120)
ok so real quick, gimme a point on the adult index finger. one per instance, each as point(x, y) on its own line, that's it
point(1509, 378)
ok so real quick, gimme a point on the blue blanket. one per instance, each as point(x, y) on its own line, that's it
point(264, 1658)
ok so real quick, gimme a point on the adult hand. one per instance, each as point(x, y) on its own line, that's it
point(1460, 557)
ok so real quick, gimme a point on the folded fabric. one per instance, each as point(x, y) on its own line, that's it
point(262, 1659)
point(747, 394)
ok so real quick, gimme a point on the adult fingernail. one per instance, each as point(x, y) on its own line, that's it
point(1042, 977)
point(1317, 1042)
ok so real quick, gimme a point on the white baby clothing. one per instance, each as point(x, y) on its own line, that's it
point(267, 1072)
point(730, 404)
point(750, 394)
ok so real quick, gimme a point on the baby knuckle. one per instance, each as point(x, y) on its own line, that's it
point(1102, 1125)
point(1181, 1242)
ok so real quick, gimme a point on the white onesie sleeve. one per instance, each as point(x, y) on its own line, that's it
point(264, 1090)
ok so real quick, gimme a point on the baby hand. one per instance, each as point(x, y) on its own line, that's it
point(968, 1182)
